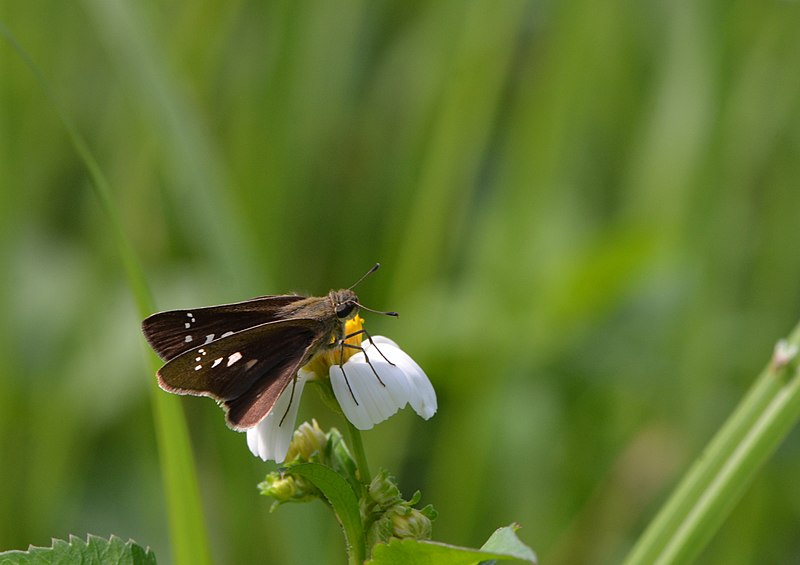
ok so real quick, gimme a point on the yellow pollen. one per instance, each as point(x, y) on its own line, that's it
point(336, 354)
point(352, 326)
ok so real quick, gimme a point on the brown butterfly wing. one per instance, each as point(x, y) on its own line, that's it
point(246, 371)
point(177, 331)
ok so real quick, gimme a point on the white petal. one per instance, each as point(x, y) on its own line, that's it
point(353, 409)
point(421, 395)
point(370, 402)
point(270, 438)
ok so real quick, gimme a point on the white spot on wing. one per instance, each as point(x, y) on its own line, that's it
point(226, 334)
point(250, 363)
point(198, 367)
point(188, 339)
point(209, 338)
point(216, 362)
point(187, 325)
point(197, 359)
point(234, 358)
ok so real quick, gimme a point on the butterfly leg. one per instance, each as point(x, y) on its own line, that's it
point(291, 398)
point(361, 349)
point(369, 337)
point(341, 366)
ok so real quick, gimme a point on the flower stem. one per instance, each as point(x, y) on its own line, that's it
point(358, 452)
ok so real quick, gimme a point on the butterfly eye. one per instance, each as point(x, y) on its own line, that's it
point(343, 310)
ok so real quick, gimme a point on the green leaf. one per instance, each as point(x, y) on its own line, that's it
point(504, 540)
point(93, 551)
point(343, 500)
point(502, 545)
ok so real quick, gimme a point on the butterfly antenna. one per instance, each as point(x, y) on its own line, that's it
point(395, 314)
point(365, 275)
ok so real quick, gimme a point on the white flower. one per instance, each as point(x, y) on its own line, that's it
point(371, 400)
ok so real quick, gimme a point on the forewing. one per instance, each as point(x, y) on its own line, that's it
point(177, 331)
point(247, 371)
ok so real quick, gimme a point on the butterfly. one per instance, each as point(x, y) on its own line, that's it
point(245, 354)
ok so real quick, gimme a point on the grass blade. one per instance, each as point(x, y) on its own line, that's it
point(719, 477)
point(188, 535)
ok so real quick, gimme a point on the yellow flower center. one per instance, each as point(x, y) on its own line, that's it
point(337, 355)
point(356, 324)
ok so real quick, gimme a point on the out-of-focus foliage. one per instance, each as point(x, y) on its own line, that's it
point(588, 216)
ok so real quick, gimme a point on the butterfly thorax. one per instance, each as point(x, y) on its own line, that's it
point(332, 311)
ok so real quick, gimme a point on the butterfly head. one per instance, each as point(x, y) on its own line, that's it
point(345, 303)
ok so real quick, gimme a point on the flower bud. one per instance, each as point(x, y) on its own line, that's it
point(383, 491)
point(286, 488)
point(308, 440)
point(390, 515)
point(282, 489)
point(409, 523)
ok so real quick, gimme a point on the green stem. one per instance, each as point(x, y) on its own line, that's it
point(358, 452)
point(719, 476)
point(363, 472)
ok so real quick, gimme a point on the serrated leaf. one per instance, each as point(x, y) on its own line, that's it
point(502, 545)
point(343, 500)
point(94, 551)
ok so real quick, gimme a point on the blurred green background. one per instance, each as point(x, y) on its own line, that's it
point(588, 216)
